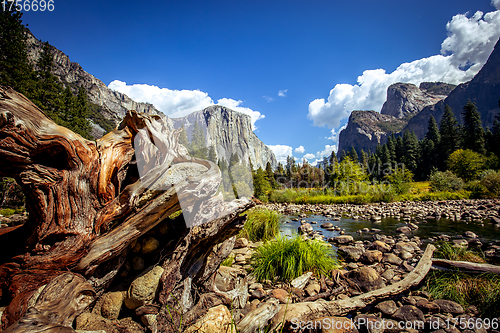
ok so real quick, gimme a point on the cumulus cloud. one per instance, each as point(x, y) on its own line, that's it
point(179, 103)
point(463, 53)
point(326, 152)
point(282, 93)
point(496, 4)
point(236, 106)
point(281, 152)
point(300, 150)
point(309, 156)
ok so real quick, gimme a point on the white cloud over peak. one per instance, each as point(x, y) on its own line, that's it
point(496, 4)
point(326, 152)
point(179, 103)
point(300, 150)
point(281, 152)
point(282, 93)
point(309, 156)
point(463, 53)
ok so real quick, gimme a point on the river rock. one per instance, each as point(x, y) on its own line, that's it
point(112, 304)
point(350, 253)
point(409, 313)
point(370, 257)
point(149, 245)
point(241, 243)
point(470, 234)
point(225, 279)
point(281, 295)
point(387, 307)
point(380, 246)
point(327, 225)
point(392, 259)
point(305, 228)
point(216, 320)
point(367, 278)
point(449, 306)
point(301, 281)
point(343, 239)
point(388, 274)
point(460, 243)
point(404, 230)
point(427, 307)
point(143, 289)
point(403, 246)
point(370, 323)
point(312, 289)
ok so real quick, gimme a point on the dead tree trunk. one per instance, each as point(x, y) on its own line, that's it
point(88, 201)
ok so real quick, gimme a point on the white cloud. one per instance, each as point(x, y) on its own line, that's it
point(496, 4)
point(268, 98)
point(469, 43)
point(179, 103)
point(281, 152)
point(282, 93)
point(327, 151)
point(300, 150)
point(309, 156)
point(235, 105)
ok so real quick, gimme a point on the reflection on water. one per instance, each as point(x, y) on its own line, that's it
point(388, 226)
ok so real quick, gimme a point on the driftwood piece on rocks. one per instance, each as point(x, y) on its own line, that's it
point(89, 200)
point(258, 318)
point(60, 301)
point(465, 266)
point(311, 310)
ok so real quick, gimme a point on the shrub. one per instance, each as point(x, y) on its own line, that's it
point(445, 181)
point(7, 211)
point(401, 180)
point(288, 258)
point(477, 189)
point(490, 179)
point(447, 251)
point(262, 224)
point(466, 164)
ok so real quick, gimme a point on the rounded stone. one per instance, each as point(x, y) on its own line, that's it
point(151, 244)
point(143, 289)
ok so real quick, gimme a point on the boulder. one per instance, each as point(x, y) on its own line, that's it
point(367, 278)
point(149, 245)
point(380, 246)
point(392, 259)
point(387, 307)
point(343, 239)
point(241, 243)
point(350, 253)
point(216, 320)
point(427, 307)
point(449, 306)
point(327, 225)
point(281, 295)
point(226, 277)
point(409, 313)
point(404, 230)
point(305, 228)
point(112, 304)
point(470, 234)
point(312, 289)
point(301, 281)
point(143, 289)
point(370, 257)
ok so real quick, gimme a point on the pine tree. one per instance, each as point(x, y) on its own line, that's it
point(212, 154)
point(473, 133)
point(364, 158)
point(391, 146)
point(183, 139)
point(354, 155)
point(433, 131)
point(270, 175)
point(450, 137)
point(400, 150)
point(411, 146)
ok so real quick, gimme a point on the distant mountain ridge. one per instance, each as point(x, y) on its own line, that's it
point(409, 107)
point(230, 131)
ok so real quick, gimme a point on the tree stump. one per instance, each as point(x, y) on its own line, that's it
point(89, 200)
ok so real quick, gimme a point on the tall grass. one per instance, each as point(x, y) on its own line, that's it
point(482, 291)
point(287, 258)
point(446, 250)
point(261, 225)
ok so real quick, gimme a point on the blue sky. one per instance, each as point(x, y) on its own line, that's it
point(297, 67)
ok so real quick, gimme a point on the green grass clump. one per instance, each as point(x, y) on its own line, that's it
point(482, 291)
point(261, 225)
point(447, 251)
point(228, 261)
point(7, 211)
point(288, 258)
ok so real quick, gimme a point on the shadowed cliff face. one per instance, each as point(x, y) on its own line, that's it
point(483, 89)
point(230, 132)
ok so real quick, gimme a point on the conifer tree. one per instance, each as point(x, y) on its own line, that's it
point(411, 156)
point(473, 132)
point(270, 175)
point(183, 139)
point(449, 135)
point(354, 155)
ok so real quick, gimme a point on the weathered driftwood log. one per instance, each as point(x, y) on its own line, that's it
point(88, 201)
point(258, 318)
point(314, 310)
point(60, 301)
point(465, 266)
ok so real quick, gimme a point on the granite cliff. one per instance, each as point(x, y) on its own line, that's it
point(367, 129)
point(230, 132)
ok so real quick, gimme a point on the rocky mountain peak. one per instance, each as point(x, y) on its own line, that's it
point(406, 99)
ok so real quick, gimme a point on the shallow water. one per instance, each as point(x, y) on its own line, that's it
point(427, 228)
